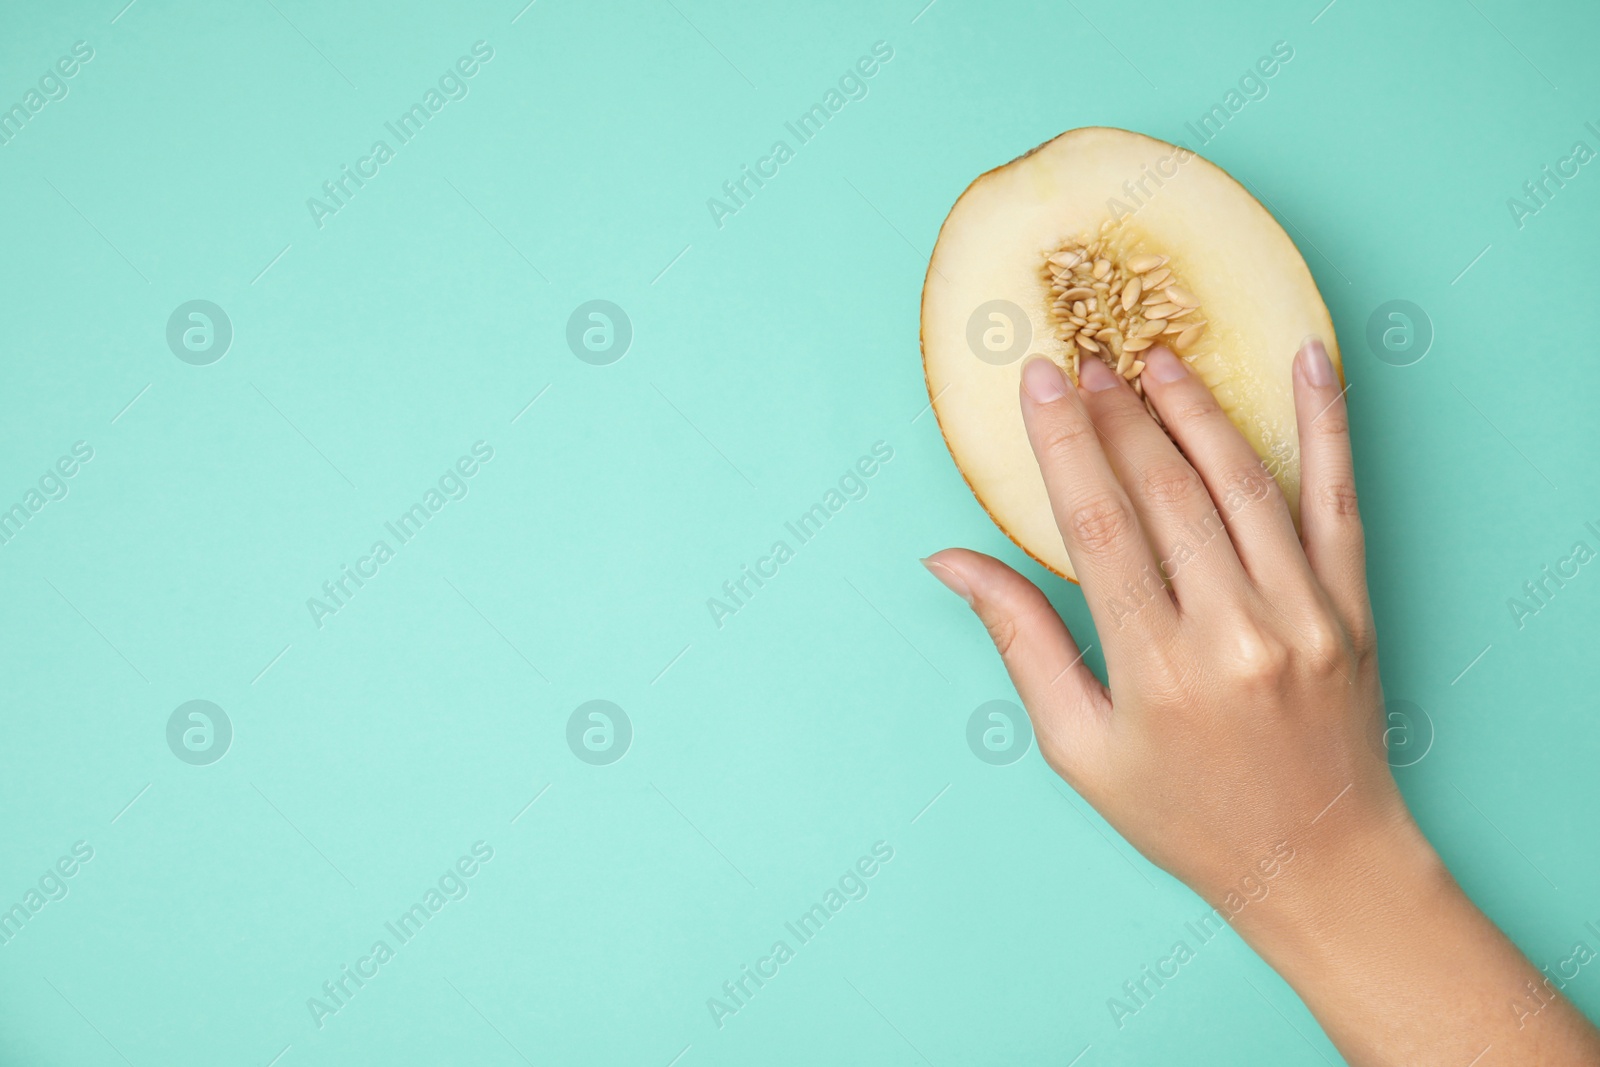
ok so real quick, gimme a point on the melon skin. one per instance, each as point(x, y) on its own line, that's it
point(1256, 293)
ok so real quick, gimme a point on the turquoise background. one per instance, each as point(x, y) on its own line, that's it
point(768, 355)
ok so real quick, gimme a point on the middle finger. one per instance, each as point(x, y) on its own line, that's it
point(1186, 531)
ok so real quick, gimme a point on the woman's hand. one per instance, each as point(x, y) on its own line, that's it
point(1241, 737)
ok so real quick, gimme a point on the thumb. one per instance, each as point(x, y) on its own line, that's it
point(1066, 702)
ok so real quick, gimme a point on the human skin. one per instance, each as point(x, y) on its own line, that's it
point(1243, 712)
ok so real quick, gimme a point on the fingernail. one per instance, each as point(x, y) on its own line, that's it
point(1043, 381)
point(1162, 365)
point(950, 578)
point(1094, 375)
point(1314, 363)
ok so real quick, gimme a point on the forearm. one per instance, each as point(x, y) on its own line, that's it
point(1400, 967)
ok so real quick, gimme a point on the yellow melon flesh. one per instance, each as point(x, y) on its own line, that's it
point(988, 268)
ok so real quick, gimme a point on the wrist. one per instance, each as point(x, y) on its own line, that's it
point(1368, 912)
point(1352, 893)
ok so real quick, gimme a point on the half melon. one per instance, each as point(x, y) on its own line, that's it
point(1098, 245)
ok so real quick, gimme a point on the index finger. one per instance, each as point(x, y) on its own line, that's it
point(1107, 546)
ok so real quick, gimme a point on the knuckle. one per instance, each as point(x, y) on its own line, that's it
point(1338, 497)
point(1065, 438)
point(1170, 483)
point(1243, 486)
point(1335, 422)
point(1124, 417)
point(1008, 623)
point(1100, 523)
point(1323, 644)
point(1364, 638)
point(1003, 630)
point(1196, 408)
point(1256, 657)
